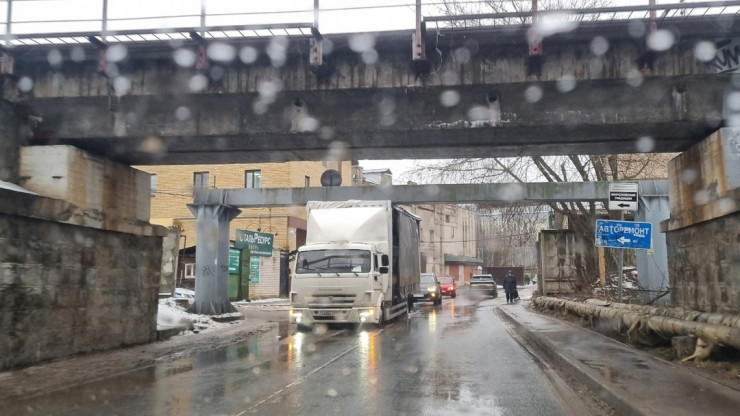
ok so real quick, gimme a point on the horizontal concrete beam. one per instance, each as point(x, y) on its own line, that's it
point(419, 194)
point(596, 117)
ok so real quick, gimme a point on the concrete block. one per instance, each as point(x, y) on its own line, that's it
point(683, 346)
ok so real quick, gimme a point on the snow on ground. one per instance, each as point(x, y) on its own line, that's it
point(171, 315)
point(269, 300)
point(270, 303)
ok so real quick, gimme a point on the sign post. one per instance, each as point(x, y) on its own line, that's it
point(621, 235)
point(622, 197)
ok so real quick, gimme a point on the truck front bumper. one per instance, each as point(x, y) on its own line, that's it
point(310, 316)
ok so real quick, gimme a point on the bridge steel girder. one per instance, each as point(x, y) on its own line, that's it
point(596, 117)
point(419, 194)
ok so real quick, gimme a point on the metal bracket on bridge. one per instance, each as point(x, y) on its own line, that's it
point(419, 63)
point(7, 65)
point(321, 71)
point(535, 59)
point(646, 59)
point(201, 63)
point(113, 99)
point(102, 48)
point(8, 81)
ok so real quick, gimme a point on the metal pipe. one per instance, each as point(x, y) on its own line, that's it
point(316, 14)
point(105, 20)
point(8, 22)
point(202, 18)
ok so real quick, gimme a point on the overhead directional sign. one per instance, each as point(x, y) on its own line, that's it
point(624, 234)
point(623, 196)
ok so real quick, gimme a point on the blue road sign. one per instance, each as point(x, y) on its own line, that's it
point(624, 234)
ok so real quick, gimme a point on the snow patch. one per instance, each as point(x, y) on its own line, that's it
point(171, 315)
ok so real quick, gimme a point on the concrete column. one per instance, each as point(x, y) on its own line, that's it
point(212, 258)
point(652, 265)
point(703, 230)
point(9, 143)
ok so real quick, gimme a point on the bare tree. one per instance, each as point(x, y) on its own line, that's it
point(508, 233)
point(577, 216)
point(457, 8)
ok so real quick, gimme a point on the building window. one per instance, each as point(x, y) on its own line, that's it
point(431, 236)
point(252, 179)
point(307, 181)
point(152, 184)
point(447, 218)
point(200, 180)
point(190, 270)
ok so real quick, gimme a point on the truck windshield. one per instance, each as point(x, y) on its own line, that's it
point(333, 261)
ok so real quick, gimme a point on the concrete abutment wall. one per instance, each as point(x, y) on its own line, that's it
point(80, 263)
point(68, 288)
point(703, 231)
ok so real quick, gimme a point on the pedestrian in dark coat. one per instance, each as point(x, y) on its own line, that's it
point(510, 287)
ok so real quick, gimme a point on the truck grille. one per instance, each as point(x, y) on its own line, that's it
point(338, 300)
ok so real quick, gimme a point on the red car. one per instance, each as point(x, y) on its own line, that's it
point(449, 288)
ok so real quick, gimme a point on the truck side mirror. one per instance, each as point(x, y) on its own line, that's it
point(384, 261)
point(383, 269)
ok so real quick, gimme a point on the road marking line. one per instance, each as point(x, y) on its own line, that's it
point(302, 378)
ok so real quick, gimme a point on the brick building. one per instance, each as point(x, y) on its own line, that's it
point(172, 189)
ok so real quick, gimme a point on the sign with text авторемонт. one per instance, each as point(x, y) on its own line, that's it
point(624, 234)
point(259, 244)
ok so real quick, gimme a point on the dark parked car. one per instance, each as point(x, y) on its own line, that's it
point(429, 289)
point(483, 284)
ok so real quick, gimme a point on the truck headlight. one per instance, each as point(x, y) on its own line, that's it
point(367, 312)
point(294, 314)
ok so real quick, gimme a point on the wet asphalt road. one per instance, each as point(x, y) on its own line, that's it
point(456, 358)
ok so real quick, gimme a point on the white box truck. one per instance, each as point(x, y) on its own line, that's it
point(360, 263)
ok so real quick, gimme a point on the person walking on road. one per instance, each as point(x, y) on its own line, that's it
point(510, 287)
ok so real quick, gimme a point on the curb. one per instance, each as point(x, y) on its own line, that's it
point(620, 404)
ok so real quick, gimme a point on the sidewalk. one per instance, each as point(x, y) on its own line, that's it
point(631, 381)
point(54, 375)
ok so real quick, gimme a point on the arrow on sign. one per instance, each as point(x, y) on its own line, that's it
point(623, 240)
point(622, 205)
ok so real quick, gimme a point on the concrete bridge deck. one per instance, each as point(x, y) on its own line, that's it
point(478, 99)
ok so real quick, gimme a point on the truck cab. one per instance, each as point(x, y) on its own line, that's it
point(360, 263)
point(335, 283)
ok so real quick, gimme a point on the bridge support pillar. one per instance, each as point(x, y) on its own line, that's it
point(212, 258)
point(703, 230)
point(652, 265)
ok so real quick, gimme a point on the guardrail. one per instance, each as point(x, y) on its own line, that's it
point(131, 26)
